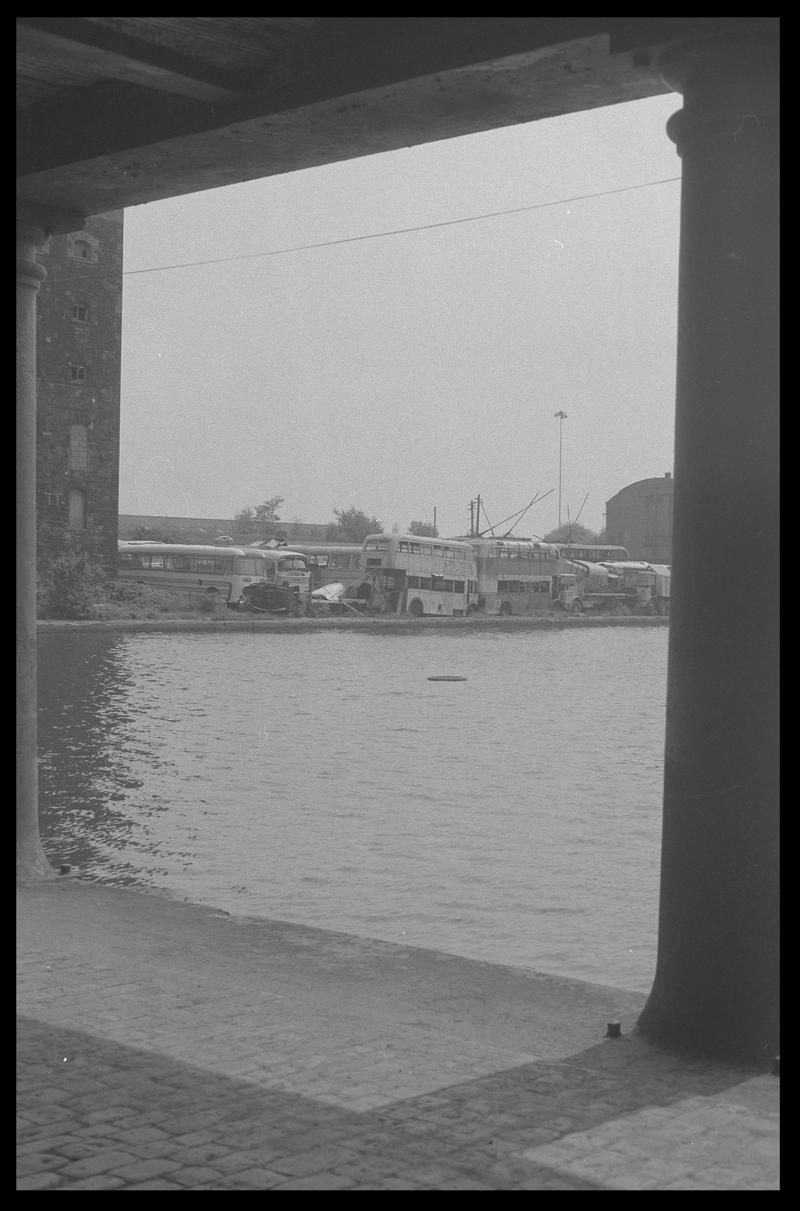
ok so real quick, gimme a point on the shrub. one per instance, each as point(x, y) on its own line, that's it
point(127, 599)
point(210, 603)
point(67, 587)
point(71, 587)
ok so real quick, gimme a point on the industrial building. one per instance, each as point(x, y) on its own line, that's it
point(639, 518)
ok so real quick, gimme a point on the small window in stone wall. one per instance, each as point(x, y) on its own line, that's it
point(77, 374)
point(80, 313)
point(77, 509)
point(53, 500)
point(83, 248)
point(78, 448)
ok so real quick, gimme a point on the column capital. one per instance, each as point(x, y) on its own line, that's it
point(30, 272)
point(729, 86)
point(36, 223)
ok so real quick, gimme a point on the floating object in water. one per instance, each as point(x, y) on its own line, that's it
point(447, 679)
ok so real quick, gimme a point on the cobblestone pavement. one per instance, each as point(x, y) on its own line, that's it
point(168, 1046)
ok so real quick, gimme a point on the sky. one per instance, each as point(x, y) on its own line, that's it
point(409, 372)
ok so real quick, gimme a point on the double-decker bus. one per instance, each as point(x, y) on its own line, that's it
point(515, 575)
point(332, 563)
point(406, 573)
point(214, 571)
point(592, 553)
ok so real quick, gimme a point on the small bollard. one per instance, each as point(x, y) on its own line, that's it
point(776, 1067)
point(613, 1030)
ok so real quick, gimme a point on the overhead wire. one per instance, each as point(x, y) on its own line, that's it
point(378, 235)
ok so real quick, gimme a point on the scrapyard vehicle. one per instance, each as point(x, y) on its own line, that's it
point(335, 599)
point(264, 598)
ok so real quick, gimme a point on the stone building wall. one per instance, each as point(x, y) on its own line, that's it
point(79, 343)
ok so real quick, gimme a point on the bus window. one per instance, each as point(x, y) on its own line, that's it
point(248, 567)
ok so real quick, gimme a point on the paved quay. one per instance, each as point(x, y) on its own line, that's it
point(170, 1046)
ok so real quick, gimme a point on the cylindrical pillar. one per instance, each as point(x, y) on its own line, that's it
point(716, 983)
point(31, 860)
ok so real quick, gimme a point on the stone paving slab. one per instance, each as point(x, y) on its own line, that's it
point(164, 1045)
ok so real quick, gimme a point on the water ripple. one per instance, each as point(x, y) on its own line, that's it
point(321, 778)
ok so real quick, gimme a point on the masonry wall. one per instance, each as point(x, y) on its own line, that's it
point(208, 529)
point(79, 343)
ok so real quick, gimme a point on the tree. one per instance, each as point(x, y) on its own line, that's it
point(570, 532)
point(266, 514)
point(353, 526)
point(423, 529)
point(244, 522)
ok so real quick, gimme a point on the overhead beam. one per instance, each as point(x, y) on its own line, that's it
point(358, 87)
point(643, 33)
point(353, 56)
point(112, 55)
point(51, 220)
point(111, 145)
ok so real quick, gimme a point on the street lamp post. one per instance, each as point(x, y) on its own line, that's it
point(562, 416)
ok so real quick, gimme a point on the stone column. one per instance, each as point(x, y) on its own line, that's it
point(31, 860)
point(716, 983)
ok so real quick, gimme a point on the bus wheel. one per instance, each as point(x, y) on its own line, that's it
point(416, 608)
point(577, 606)
point(472, 609)
point(505, 608)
